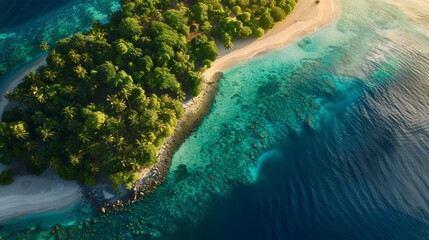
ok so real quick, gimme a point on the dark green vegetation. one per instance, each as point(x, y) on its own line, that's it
point(6, 177)
point(108, 99)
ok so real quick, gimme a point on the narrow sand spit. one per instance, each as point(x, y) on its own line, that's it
point(34, 194)
point(306, 18)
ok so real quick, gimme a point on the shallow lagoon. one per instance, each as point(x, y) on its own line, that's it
point(26, 23)
point(346, 110)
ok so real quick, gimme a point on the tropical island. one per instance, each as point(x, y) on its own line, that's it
point(105, 103)
point(108, 99)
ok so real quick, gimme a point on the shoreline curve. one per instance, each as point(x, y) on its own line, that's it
point(17, 78)
point(305, 19)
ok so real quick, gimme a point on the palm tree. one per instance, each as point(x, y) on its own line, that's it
point(49, 74)
point(116, 103)
point(140, 97)
point(69, 90)
point(126, 94)
point(120, 105)
point(80, 71)
point(69, 112)
point(98, 35)
point(228, 45)
point(120, 142)
point(55, 57)
point(46, 133)
point(140, 143)
point(86, 58)
point(74, 159)
point(31, 77)
point(58, 61)
point(94, 169)
point(19, 131)
point(134, 164)
point(40, 98)
point(74, 56)
point(79, 41)
point(123, 162)
point(35, 92)
point(44, 46)
point(109, 138)
point(133, 119)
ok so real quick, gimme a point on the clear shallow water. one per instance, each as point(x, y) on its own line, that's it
point(325, 139)
point(26, 23)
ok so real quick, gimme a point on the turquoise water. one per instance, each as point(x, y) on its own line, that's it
point(26, 23)
point(324, 139)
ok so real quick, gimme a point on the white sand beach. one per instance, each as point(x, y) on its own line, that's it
point(34, 194)
point(306, 18)
point(31, 194)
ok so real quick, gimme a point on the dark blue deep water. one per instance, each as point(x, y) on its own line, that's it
point(365, 177)
point(324, 139)
point(364, 173)
point(14, 13)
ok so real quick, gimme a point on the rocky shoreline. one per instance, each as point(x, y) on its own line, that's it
point(305, 19)
point(195, 111)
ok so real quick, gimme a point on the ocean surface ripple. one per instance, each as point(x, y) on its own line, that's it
point(365, 174)
point(325, 139)
point(364, 177)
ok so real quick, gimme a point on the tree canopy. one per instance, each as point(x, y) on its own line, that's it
point(108, 99)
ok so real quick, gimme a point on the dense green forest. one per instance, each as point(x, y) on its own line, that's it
point(108, 99)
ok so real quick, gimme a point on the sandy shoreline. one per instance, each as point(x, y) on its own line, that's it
point(306, 18)
point(17, 79)
point(33, 194)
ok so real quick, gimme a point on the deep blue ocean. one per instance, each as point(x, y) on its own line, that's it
point(325, 139)
point(19, 12)
point(363, 177)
